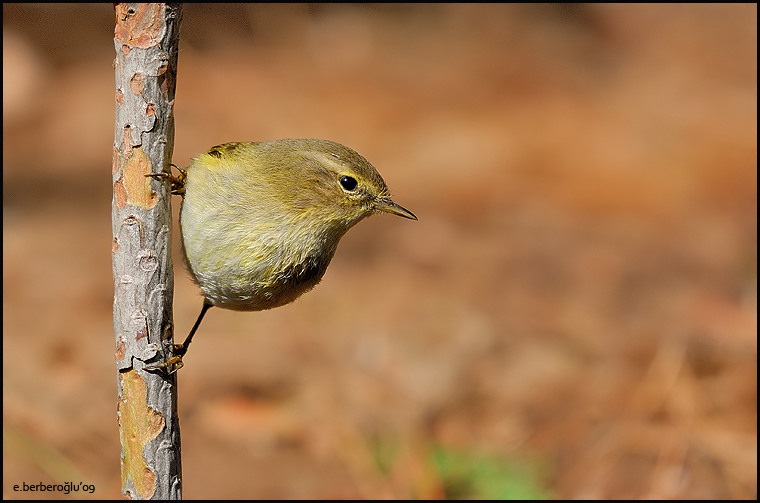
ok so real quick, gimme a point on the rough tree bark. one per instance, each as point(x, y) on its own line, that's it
point(146, 41)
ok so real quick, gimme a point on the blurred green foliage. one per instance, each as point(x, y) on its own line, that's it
point(469, 474)
point(472, 475)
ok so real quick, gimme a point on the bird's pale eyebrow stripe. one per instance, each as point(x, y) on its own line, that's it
point(322, 157)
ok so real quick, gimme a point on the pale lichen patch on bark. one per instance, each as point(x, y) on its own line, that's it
point(136, 185)
point(137, 83)
point(146, 426)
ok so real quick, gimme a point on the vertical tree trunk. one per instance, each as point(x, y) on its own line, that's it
point(146, 40)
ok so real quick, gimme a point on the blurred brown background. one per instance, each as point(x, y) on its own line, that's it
point(573, 316)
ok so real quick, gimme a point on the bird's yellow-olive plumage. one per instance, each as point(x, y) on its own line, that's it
point(261, 221)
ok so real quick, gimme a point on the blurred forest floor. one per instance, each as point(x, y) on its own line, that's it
point(573, 316)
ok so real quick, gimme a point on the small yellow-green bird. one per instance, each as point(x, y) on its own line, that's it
point(261, 221)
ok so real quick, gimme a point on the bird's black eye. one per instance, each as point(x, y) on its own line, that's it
point(348, 183)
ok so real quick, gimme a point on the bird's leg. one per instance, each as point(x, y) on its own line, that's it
point(176, 183)
point(175, 362)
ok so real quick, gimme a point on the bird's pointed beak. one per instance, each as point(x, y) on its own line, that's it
point(386, 205)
